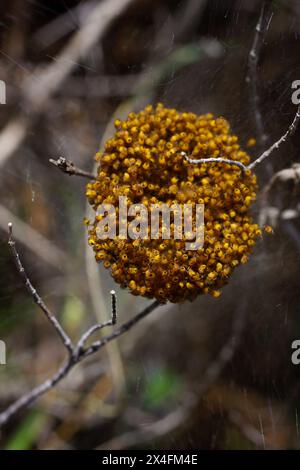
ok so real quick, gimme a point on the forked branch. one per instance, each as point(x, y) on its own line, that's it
point(252, 75)
point(77, 352)
point(267, 153)
point(252, 79)
point(69, 167)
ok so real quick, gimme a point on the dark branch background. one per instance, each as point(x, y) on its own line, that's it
point(145, 391)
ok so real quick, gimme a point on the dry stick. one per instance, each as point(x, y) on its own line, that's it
point(292, 128)
point(277, 144)
point(68, 167)
point(214, 160)
point(77, 354)
point(123, 329)
point(252, 77)
point(34, 294)
point(73, 360)
point(98, 327)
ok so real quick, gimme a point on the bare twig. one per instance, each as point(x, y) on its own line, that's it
point(94, 328)
point(267, 153)
point(36, 297)
point(76, 353)
point(34, 294)
point(123, 329)
point(252, 78)
point(113, 307)
point(215, 160)
point(261, 30)
point(68, 167)
point(277, 144)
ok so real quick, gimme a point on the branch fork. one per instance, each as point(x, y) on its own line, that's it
point(76, 352)
point(266, 154)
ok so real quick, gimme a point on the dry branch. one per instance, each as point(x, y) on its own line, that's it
point(68, 167)
point(267, 153)
point(252, 75)
point(34, 294)
point(77, 352)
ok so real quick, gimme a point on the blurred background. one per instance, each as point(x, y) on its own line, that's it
point(212, 374)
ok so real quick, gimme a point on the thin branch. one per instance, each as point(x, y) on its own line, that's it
point(123, 329)
point(34, 294)
point(252, 76)
point(277, 144)
point(113, 307)
point(68, 167)
point(73, 360)
point(35, 393)
point(215, 160)
point(97, 327)
point(76, 353)
point(267, 153)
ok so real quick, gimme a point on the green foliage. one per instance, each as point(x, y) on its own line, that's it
point(163, 386)
point(27, 433)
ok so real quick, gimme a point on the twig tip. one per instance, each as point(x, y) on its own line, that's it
point(113, 307)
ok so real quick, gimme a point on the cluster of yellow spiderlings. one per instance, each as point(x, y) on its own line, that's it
point(145, 162)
